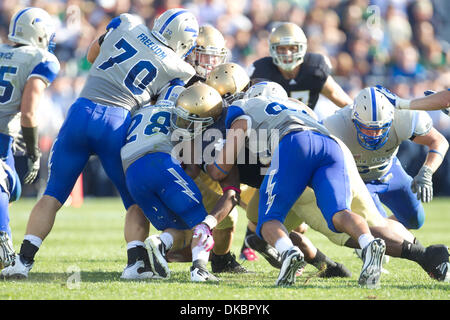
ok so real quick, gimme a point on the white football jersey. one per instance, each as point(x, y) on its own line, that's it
point(132, 67)
point(270, 120)
point(17, 65)
point(149, 132)
point(374, 164)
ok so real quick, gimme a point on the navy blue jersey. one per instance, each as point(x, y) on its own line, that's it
point(249, 172)
point(309, 82)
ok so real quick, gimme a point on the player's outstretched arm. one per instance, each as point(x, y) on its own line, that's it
point(432, 100)
point(333, 91)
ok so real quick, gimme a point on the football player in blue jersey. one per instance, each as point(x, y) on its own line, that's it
point(162, 185)
point(304, 75)
point(131, 65)
point(27, 67)
point(294, 137)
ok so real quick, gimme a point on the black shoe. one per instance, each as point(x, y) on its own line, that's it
point(338, 271)
point(266, 250)
point(436, 262)
point(226, 263)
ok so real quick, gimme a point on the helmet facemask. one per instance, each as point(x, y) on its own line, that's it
point(206, 59)
point(372, 141)
point(188, 125)
point(288, 61)
point(372, 116)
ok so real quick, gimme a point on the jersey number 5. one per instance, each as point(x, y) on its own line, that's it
point(130, 51)
point(7, 86)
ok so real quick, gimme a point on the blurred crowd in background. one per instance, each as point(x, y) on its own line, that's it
point(401, 44)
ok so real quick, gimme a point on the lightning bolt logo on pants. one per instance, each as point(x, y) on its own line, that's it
point(269, 190)
point(183, 183)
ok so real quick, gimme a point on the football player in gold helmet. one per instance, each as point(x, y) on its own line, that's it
point(209, 52)
point(304, 75)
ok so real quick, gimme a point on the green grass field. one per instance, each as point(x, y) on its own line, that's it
point(84, 255)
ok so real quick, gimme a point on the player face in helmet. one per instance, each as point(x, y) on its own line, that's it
point(372, 116)
point(196, 109)
point(34, 27)
point(287, 46)
point(229, 79)
point(209, 52)
point(177, 29)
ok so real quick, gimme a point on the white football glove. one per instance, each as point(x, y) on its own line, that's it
point(33, 163)
point(203, 232)
point(422, 184)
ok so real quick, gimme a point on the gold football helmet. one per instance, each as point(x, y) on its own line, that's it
point(209, 52)
point(229, 79)
point(196, 109)
point(293, 44)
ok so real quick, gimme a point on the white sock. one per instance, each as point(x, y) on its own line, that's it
point(365, 239)
point(198, 253)
point(283, 244)
point(35, 240)
point(167, 239)
point(134, 244)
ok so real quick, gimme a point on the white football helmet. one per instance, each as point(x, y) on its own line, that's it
point(372, 116)
point(34, 27)
point(209, 52)
point(197, 108)
point(177, 29)
point(267, 89)
point(287, 34)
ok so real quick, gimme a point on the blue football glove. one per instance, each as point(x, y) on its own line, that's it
point(392, 97)
point(396, 101)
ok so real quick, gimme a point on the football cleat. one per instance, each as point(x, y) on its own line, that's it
point(292, 260)
point(136, 271)
point(7, 253)
point(436, 262)
point(266, 250)
point(18, 269)
point(226, 263)
point(199, 273)
point(358, 252)
point(157, 254)
point(372, 256)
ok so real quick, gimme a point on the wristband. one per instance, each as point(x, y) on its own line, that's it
point(231, 188)
point(403, 103)
point(210, 221)
point(435, 151)
point(31, 138)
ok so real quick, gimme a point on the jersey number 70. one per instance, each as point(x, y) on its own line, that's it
point(130, 51)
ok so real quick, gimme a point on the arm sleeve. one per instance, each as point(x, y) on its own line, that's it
point(46, 70)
